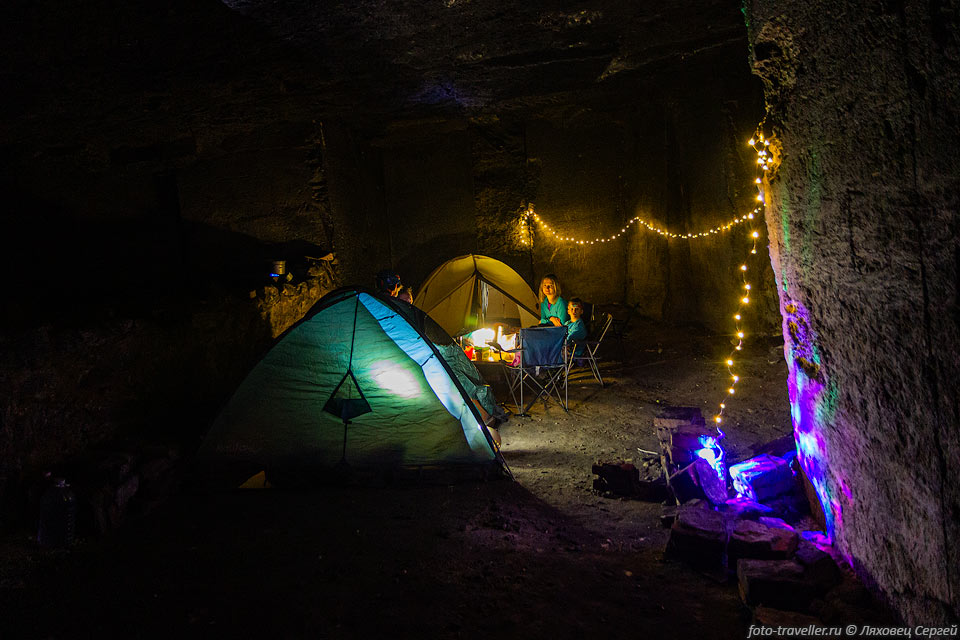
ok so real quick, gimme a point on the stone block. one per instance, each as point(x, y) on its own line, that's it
point(621, 478)
point(698, 536)
point(714, 487)
point(772, 521)
point(818, 565)
point(762, 477)
point(780, 584)
point(850, 602)
point(686, 487)
point(751, 539)
point(683, 441)
point(699, 480)
point(671, 416)
point(791, 506)
point(745, 508)
point(653, 490)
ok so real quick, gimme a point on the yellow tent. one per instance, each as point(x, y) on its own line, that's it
point(469, 292)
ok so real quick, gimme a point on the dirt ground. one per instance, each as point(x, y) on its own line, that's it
point(540, 557)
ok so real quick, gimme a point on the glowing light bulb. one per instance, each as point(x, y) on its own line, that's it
point(759, 198)
point(747, 287)
point(750, 216)
point(739, 334)
point(717, 419)
point(746, 300)
point(736, 317)
point(743, 267)
point(731, 390)
point(758, 181)
point(753, 251)
point(755, 234)
point(738, 347)
point(736, 378)
point(729, 363)
point(723, 406)
point(752, 142)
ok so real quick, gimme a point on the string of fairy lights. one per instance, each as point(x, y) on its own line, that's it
point(764, 159)
point(530, 218)
point(526, 236)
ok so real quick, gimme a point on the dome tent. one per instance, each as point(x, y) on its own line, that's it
point(358, 383)
point(465, 292)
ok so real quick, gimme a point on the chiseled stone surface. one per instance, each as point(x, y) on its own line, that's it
point(699, 536)
point(863, 220)
point(750, 539)
point(780, 584)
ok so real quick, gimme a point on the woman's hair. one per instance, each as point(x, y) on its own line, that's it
point(556, 285)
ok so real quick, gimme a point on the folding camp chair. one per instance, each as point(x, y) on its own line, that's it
point(588, 355)
point(542, 367)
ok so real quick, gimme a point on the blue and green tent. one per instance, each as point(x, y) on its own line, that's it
point(358, 384)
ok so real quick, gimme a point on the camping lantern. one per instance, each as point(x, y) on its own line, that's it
point(278, 268)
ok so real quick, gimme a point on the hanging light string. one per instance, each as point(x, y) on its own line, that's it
point(764, 163)
point(530, 217)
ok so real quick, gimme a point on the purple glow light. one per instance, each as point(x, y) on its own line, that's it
point(711, 451)
point(809, 402)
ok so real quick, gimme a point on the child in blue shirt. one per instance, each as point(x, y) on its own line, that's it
point(576, 329)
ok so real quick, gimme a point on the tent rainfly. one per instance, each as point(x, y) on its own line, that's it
point(358, 383)
point(465, 293)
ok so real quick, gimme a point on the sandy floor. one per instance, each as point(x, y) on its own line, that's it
point(540, 557)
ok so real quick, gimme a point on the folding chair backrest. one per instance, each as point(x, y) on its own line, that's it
point(543, 346)
point(588, 317)
point(601, 327)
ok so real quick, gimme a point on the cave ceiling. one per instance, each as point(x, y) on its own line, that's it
point(480, 55)
point(97, 68)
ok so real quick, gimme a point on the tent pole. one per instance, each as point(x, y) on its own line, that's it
point(343, 455)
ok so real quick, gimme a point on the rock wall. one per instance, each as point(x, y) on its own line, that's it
point(441, 188)
point(153, 161)
point(864, 217)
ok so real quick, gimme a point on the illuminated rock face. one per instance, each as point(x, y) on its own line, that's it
point(161, 159)
point(863, 220)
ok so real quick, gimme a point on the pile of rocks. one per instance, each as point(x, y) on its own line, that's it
point(787, 577)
